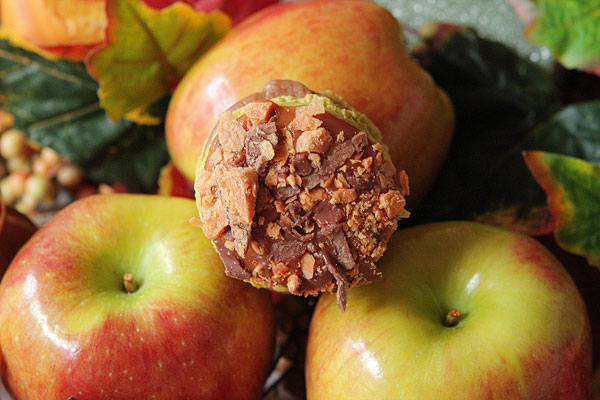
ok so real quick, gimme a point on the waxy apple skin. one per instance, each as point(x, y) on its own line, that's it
point(67, 327)
point(353, 48)
point(524, 331)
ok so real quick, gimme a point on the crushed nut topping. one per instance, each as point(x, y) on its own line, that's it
point(295, 197)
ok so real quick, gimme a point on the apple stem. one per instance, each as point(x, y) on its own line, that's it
point(452, 318)
point(129, 284)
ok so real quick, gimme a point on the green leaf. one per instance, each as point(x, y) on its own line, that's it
point(499, 98)
point(571, 29)
point(573, 189)
point(148, 51)
point(134, 161)
point(574, 131)
point(55, 103)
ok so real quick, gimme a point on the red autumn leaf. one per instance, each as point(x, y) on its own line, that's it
point(236, 9)
point(71, 28)
point(67, 29)
point(573, 189)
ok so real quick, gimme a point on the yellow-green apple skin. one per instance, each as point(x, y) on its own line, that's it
point(354, 48)
point(523, 332)
point(68, 327)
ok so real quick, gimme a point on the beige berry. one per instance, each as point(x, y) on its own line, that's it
point(12, 144)
point(18, 164)
point(69, 176)
point(103, 188)
point(39, 187)
point(40, 166)
point(19, 178)
point(6, 121)
point(8, 191)
point(13, 186)
point(26, 204)
point(50, 156)
point(429, 29)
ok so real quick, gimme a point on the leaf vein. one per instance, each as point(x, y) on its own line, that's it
point(171, 74)
point(26, 61)
point(65, 117)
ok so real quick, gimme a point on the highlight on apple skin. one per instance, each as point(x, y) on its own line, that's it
point(119, 297)
point(352, 48)
point(464, 310)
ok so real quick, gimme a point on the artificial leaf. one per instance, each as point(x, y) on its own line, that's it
point(573, 189)
point(571, 29)
point(572, 131)
point(236, 9)
point(65, 28)
point(18, 41)
point(55, 103)
point(151, 114)
point(498, 98)
point(135, 160)
point(148, 51)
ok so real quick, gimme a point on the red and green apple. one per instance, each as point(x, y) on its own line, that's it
point(119, 297)
point(464, 310)
point(354, 48)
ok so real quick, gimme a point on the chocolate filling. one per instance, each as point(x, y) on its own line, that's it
point(319, 218)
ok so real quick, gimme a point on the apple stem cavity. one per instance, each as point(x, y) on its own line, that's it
point(129, 283)
point(452, 318)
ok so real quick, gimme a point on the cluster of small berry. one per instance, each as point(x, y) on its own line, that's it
point(32, 175)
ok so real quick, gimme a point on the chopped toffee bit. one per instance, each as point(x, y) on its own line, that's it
point(231, 134)
point(316, 141)
point(295, 197)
